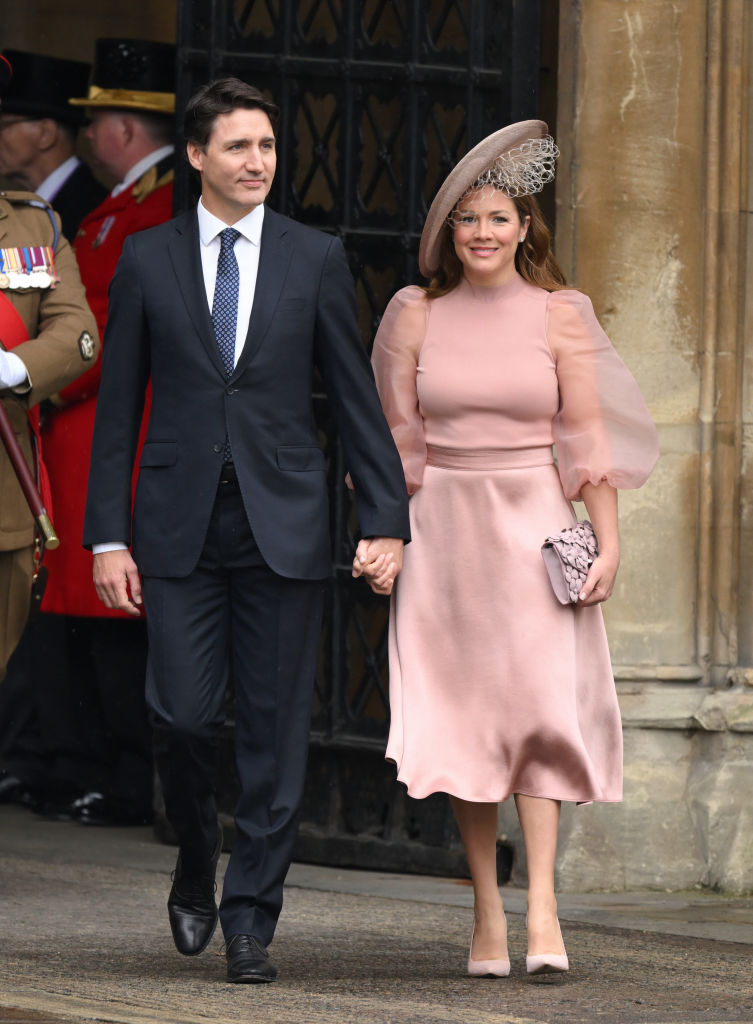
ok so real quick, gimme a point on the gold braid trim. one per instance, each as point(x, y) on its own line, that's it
point(128, 99)
point(149, 183)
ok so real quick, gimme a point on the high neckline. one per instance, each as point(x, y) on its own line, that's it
point(492, 293)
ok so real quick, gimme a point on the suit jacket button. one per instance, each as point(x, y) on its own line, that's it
point(219, 448)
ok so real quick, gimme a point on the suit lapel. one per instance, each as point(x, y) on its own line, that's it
point(186, 260)
point(274, 258)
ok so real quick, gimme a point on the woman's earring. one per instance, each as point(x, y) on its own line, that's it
point(522, 238)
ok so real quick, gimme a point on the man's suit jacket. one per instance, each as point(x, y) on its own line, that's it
point(303, 317)
point(77, 196)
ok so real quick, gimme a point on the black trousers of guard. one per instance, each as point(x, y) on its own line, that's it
point(72, 711)
point(232, 610)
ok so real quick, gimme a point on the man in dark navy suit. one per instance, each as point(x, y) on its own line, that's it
point(38, 129)
point(230, 308)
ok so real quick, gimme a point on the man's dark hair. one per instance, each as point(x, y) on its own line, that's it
point(223, 97)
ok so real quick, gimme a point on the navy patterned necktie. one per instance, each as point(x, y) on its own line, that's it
point(225, 301)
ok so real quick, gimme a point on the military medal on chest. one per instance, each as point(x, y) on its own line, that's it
point(107, 223)
point(27, 267)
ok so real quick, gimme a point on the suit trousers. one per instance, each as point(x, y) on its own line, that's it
point(233, 615)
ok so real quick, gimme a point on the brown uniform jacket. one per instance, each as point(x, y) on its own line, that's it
point(55, 354)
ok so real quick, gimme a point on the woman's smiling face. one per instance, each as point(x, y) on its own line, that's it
point(487, 230)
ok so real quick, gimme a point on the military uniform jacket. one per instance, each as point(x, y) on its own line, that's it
point(63, 343)
point(67, 432)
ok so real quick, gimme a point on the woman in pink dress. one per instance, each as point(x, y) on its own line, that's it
point(497, 689)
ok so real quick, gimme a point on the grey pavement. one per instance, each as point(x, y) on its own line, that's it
point(84, 937)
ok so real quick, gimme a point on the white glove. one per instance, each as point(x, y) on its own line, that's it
point(12, 370)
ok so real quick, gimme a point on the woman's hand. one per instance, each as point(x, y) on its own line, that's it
point(600, 579)
point(601, 504)
point(379, 560)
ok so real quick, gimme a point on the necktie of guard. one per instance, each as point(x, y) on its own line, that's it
point(225, 302)
point(225, 306)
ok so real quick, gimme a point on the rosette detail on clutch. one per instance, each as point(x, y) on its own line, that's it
point(568, 555)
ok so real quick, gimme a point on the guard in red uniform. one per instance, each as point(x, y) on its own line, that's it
point(105, 774)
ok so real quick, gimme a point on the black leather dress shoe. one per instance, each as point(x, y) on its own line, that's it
point(248, 961)
point(98, 809)
point(66, 806)
point(14, 790)
point(191, 906)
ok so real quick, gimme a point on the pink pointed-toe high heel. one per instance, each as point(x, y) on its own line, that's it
point(486, 968)
point(547, 963)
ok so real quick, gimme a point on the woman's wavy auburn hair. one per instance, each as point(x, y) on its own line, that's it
point(534, 259)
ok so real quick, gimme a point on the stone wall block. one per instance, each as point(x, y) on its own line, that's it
point(658, 835)
point(591, 856)
point(651, 617)
point(719, 800)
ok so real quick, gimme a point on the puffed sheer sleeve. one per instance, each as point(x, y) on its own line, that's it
point(602, 430)
point(395, 361)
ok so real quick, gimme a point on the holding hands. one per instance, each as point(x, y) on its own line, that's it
point(379, 560)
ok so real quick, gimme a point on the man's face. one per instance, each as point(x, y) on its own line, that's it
point(107, 135)
point(19, 145)
point(238, 165)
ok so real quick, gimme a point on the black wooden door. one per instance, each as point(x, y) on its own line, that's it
point(378, 100)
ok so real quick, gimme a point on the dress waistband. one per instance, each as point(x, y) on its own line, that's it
point(488, 458)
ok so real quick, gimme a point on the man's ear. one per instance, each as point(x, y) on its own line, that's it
point(48, 133)
point(195, 155)
point(129, 126)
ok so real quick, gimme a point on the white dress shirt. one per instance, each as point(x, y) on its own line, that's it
point(55, 181)
point(247, 253)
point(142, 167)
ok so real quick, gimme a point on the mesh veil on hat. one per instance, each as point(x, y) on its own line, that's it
point(518, 175)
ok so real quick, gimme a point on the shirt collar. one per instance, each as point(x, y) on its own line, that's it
point(249, 226)
point(52, 184)
point(142, 167)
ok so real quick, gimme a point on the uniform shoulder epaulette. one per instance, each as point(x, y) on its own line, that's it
point(149, 182)
point(35, 202)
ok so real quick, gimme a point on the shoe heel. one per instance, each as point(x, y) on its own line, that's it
point(486, 968)
point(547, 963)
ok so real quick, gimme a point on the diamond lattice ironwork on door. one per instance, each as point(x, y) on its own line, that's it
point(378, 100)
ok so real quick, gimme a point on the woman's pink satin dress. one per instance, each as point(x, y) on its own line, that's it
point(496, 688)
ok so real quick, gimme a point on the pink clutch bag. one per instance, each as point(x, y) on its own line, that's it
point(568, 555)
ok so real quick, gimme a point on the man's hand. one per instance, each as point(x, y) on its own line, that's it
point(12, 370)
point(379, 560)
point(115, 575)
